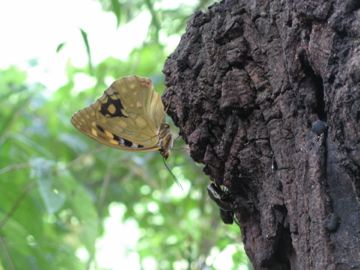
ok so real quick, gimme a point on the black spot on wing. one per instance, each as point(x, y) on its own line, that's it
point(125, 142)
point(118, 106)
point(128, 143)
point(117, 138)
point(100, 128)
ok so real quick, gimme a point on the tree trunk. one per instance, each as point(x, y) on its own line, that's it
point(267, 95)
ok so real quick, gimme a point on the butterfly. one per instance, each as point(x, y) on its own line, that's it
point(128, 116)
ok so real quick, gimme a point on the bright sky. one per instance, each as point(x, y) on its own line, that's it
point(33, 30)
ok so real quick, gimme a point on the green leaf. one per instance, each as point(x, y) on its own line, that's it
point(80, 203)
point(115, 8)
point(42, 170)
point(87, 46)
point(60, 46)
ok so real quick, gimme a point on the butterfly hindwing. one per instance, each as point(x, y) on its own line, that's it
point(128, 116)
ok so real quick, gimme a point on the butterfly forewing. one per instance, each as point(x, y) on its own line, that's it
point(129, 116)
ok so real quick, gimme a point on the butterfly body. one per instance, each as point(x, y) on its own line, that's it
point(128, 116)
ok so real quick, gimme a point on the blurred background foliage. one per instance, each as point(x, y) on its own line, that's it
point(68, 202)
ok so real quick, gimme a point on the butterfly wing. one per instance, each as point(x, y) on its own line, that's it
point(127, 116)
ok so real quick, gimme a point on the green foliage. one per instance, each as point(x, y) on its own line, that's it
point(59, 187)
point(167, 17)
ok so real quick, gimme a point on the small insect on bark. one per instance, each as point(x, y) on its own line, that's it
point(222, 199)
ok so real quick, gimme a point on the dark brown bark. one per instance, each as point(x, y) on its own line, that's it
point(248, 84)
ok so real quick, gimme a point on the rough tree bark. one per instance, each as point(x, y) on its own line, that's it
point(248, 84)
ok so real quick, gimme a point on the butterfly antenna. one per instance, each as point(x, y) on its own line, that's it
point(168, 106)
point(177, 138)
point(176, 180)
